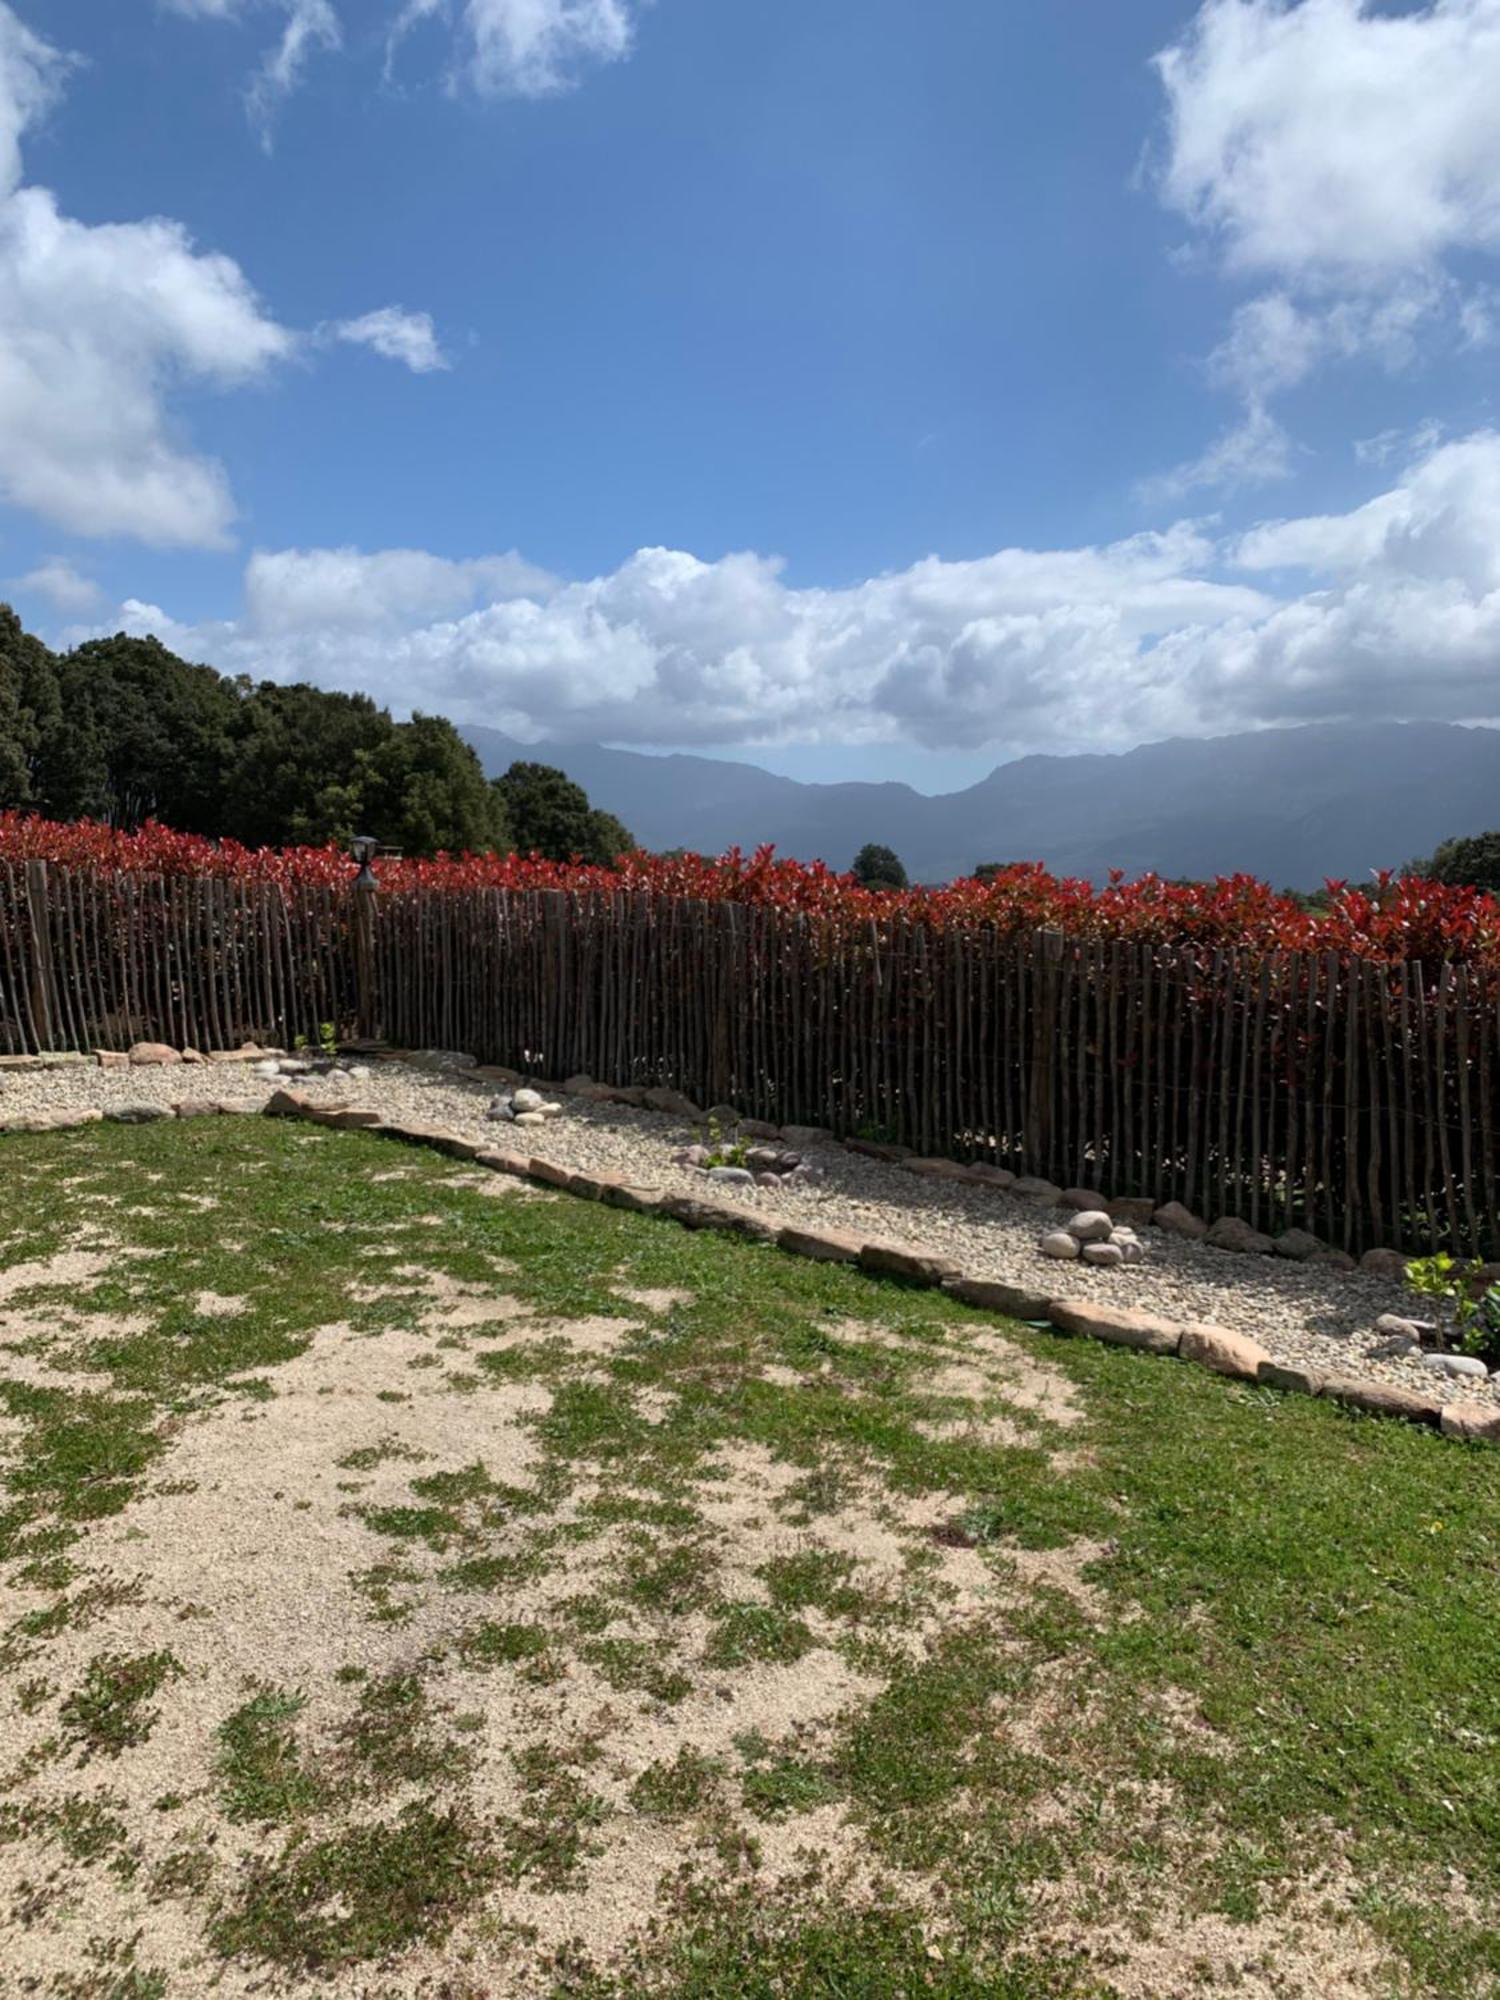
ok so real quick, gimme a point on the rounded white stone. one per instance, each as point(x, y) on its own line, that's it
point(1058, 1243)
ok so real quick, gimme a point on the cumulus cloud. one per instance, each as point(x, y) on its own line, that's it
point(63, 586)
point(1334, 141)
point(1346, 155)
point(100, 323)
point(299, 590)
point(1392, 608)
point(397, 335)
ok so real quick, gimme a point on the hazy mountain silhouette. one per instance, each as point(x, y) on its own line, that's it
point(1291, 805)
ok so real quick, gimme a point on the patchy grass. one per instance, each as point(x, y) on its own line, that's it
point(261, 1768)
point(762, 1641)
point(361, 1895)
point(108, 1713)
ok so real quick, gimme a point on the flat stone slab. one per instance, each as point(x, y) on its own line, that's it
point(1117, 1325)
point(900, 1260)
point(437, 1137)
point(827, 1246)
point(552, 1175)
point(1383, 1399)
point(993, 1295)
point(638, 1200)
point(1226, 1353)
point(1283, 1375)
point(1479, 1422)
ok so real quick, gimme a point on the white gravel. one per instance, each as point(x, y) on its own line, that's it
point(1310, 1316)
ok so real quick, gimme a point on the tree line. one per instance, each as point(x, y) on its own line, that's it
point(122, 730)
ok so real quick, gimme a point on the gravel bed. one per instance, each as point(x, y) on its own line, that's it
point(1309, 1316)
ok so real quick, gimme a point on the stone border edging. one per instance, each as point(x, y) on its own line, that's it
point(1215, 1348)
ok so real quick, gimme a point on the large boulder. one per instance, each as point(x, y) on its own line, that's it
point(1230, 1233)
point(1384, 1263)
point(673, 1102)
point(1179, 1221)
point(1135, 1210)
point(153, 1055)
point(1081, 1200)
point(1298, 1244)
point(1031, 1187)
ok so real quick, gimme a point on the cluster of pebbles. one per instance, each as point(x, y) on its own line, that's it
point(741, 1165)
point(1095, 1236)
point(524, 1107)
point(1315, 1311)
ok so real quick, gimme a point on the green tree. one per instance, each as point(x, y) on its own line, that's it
point(300, 757)
point(138, 734)
point(877, 867)
point(423, 790)
point(1471, 861)
point(28, 708)
point(549, 815)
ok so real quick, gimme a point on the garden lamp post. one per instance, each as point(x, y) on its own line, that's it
point(362, 850)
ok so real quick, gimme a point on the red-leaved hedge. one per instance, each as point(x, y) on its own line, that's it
point(1393, 920)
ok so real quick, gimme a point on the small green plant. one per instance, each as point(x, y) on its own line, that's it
point(1475, 1307)
point(108, 1713)
point(722, 1152)
point(260, 1765)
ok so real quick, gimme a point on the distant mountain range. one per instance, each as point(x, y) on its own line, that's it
point(1291, 805)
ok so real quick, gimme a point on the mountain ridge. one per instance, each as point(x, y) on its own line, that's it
point(1293, 805)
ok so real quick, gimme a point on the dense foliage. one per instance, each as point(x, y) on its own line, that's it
point(1396, 919)
point(124, 732)
point(1472, 861)
point(877, 867)
point(551, 816)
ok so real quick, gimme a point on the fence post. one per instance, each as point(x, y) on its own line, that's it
point(367, 1004)
point(1046, 991)
point(43, 971)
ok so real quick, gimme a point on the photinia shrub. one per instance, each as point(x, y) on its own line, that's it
point(1396, 920)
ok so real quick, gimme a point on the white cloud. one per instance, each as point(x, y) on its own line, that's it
point(64, 587)
point(396, 335)
point(31, 75)
point(1335, 142)
point(1397, 613)
point(100, 324)
point(1347, 154)
point(94, 323)
point(295, 590)
point(528, 48)
point(1251, 453)
point(310, 25)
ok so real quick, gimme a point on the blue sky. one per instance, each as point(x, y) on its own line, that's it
point(862, 388)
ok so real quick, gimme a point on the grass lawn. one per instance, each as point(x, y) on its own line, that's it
point(411, 1583)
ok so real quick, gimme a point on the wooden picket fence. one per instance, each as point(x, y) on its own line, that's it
point(1356, 1099)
